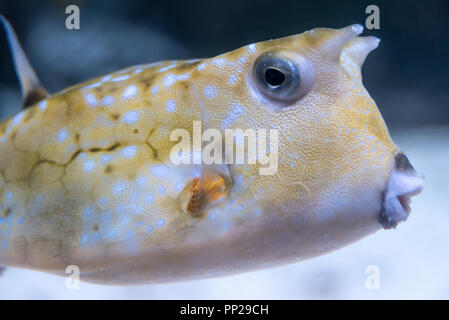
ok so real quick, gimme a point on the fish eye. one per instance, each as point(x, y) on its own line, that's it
point(274, 77)
point(283, 77)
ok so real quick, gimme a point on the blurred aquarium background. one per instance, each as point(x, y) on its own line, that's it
point(408, 76)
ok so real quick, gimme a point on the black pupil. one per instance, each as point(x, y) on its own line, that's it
point(274, 77)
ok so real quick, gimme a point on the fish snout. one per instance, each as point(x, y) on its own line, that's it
point(404, 183)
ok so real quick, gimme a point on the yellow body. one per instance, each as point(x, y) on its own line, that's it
point(86, 177)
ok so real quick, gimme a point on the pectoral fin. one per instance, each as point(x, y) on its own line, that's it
point(32, 89)
point(2, 270)
point(215, 180)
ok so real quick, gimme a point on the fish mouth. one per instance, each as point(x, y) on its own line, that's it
point(403, 184)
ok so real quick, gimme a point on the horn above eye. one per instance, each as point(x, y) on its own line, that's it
point(283, 77)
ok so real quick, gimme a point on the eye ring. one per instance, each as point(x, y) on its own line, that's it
point(283, 77)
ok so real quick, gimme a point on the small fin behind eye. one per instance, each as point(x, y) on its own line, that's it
point(210, 170)
point(32, 89)
point(215, 179)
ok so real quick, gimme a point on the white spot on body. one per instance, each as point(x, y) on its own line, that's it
point(149, 198)
point(121, 78)
point(169, 80)
point(106, 158)
point(141, 181)
point(236, 111)
point(89, 166)
point(131, 117)
point(252, 48)
point(129, 152)
point(201, 66)
point(154, 90)
point(17, 119)
point(210, 91)
point(171, 106)
point(220, 62)
point(118, 188)
point(183, 76)
point(138, 210)
point(107, 101)
point(43, 105)
point(232, 79)
point(130, 92)
point(88, 212)
point(91, 100)
point(94, 85)
point(241, 61)
point(106, 78)
point(167, 68)
point(62, 135)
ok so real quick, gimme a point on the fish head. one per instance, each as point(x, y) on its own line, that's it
point(337, 165)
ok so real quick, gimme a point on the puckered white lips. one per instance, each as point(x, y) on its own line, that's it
point(403, 184)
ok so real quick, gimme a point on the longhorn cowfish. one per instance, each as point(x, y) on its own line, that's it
point(87, 177)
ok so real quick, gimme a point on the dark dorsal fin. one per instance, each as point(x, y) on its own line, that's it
point(32, 89)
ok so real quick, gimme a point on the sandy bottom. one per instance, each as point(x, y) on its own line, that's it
point(412, 262)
